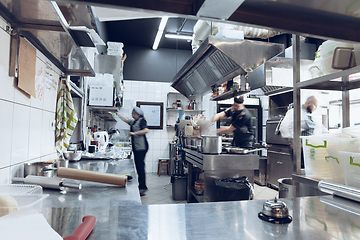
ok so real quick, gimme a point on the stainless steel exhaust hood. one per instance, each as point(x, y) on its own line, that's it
point(220, 59)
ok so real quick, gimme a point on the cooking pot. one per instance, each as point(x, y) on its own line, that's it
point(211, 144)
point(39, 169)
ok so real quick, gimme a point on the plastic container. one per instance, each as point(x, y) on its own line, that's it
point(351, 162)
point(25, 201)
point(324, 56)
point(13, 189)
point(351, 132)
point(322, 156)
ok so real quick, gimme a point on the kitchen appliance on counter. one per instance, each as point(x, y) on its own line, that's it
point(102, 137)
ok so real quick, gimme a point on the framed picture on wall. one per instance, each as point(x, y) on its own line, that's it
point(153, 113)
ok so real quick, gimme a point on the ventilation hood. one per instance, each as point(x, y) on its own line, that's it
point(220, 59)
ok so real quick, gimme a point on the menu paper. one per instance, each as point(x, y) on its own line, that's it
point(27, 63)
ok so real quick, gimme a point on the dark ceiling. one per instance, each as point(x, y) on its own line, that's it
point(142, 32)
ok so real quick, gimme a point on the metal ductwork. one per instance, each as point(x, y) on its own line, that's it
point(220, 59)
point(276, 75)
point(202, 29)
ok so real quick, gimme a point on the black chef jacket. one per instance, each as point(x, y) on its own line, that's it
point(244, 132)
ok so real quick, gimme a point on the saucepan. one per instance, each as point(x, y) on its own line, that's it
point(39, 169)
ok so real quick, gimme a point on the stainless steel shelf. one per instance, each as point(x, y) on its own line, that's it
point(199, 198)
point(332, 81)
point(103, 112)
point(228, 95)
point(186, 110)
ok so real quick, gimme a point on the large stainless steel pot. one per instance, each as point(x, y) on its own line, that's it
point(211, 144)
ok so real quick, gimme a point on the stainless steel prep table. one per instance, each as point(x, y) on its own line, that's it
point(218, 166)
point(97, 194)
point(323, 217)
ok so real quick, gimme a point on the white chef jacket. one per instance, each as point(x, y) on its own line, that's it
point(287, 124)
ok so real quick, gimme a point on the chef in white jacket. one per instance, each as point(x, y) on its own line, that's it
point(307, 123)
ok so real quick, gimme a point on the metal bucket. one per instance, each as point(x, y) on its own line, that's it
point(287, 188)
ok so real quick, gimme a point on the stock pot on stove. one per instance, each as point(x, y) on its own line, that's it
point(211, 144)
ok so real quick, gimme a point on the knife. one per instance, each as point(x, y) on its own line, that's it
point(84, 229)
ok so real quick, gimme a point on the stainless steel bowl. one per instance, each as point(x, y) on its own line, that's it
point(73, 156)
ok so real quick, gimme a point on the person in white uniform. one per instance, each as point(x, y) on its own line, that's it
point(307, 123)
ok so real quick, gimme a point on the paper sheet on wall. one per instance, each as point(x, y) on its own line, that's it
point(39, 80)
point(152, 114)
point(27, 64)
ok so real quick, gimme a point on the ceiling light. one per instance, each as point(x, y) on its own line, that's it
point(160, 32)
point(177, 36)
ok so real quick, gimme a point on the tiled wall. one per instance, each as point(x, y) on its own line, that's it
point(158, 139)
point(25, 121)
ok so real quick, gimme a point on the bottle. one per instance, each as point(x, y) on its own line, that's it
point(88, 139)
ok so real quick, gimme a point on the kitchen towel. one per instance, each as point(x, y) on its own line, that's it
point(66, 118)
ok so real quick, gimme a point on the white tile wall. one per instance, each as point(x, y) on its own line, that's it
point(20, 133)
point(158, 139)
point(6, 117)
point(156, 92)
point(25, 120)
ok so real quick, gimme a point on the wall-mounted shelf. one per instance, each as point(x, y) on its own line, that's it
point(186, 110)
point(229, 94)
point(103, 112)
point(333, 81)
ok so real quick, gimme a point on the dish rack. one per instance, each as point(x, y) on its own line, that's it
point(26, 196)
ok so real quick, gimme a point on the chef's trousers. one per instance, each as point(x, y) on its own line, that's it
point(139, 156)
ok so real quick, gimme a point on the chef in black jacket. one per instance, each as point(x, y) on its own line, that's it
point(241, 123)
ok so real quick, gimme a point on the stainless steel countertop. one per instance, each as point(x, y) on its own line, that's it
point(119, 214)
point(324, 217)
point(97, 194)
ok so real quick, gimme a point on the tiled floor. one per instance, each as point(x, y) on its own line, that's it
point(160, 191)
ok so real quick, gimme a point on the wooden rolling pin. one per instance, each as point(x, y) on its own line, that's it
point(91, 176)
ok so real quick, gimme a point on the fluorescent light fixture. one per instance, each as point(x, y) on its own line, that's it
point(177, 36)
point(163, 23)
point(160, 32)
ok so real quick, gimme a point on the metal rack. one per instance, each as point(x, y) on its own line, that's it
point(229, 94)
point(338, 81)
